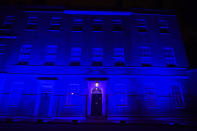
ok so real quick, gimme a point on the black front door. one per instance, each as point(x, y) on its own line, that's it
point(96, 105)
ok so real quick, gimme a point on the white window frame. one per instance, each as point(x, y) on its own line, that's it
point(9, 20)
point(51, 53)
point(97, 54)
point(25, 52)
point(75, 54)
point(150, 96)
point(170, 56)
point(32, 20)
point(119, 55)
point(2, 49)
point(177, 95)
point(55, 21)
point(145, 54)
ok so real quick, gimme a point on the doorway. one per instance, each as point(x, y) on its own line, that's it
point(96, 102)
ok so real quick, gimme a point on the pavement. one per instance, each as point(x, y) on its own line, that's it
point(14, 126)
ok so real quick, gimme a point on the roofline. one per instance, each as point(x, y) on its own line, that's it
point(62, 9)
point(93, 12)
point(77, 12)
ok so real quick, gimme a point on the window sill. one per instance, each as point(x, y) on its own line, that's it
point(97, 31)
point(29, 29)
point(118, 31)
point(146, 32)
point(167, 33)
point(54, 30)
point(146, 65)
point(8, 37)
point(77, 31)
point(5, 29)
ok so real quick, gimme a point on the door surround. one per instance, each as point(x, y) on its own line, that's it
point(102, 86)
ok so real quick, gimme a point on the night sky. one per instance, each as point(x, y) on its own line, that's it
point(185, 10)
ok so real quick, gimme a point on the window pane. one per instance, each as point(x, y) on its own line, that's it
point(97, 25)
point(25, 54)
point(170, 57)
point(97, 57)
point(78, 24)
point(51, 54)
point(75, 56)
point(177, 95)
point(146, 56)
point(119, 57)
point(141, 24)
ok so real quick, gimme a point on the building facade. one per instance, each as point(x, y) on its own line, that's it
point(87, 65)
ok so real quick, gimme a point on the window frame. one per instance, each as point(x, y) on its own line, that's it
point(25, 53)
point(145, 54)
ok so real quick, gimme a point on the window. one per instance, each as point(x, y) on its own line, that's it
point(55, 23)
point(32, 22)
point(122, 99)
point(2, 49)
point(116, 24)
point(177, 95)
point(78, 24)
point(75, 56)
point(15, 96)
point(2, 52)
point(150, 97)
point(72, 97)
point(25, 54)
point(141, 24)
point(97, 57)
point(45, 101)
point(169, 57)
point(97, 25)
point(51, 52)
point(146, 56)
point(164, 26)
point(119, 58)
point(8, 22)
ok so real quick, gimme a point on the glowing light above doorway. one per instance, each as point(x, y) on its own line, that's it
point(96, 84)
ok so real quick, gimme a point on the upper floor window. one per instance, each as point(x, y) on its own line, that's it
point(55, 23)
point(9, 22)
point(25, 54)
point(119, 58)
point(51, 52)
point(75, 56)
point(116, 24)
point(169, 57)
point(2, 49)
point(97, 57)
point(141, 24)
point(164, 26)
point(2, 52)
point(78, 24)
point(150, 96)
point(177, 96)
point(32, 22)
point(97, 25)
point(145, 54)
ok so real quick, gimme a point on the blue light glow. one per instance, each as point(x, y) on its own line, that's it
point(84, 71)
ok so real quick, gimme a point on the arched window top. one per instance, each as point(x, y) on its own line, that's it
point(96, 91)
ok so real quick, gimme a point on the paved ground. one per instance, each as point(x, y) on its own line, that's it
point(90, 127)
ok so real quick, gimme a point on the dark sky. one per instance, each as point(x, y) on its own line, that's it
point(185, 10)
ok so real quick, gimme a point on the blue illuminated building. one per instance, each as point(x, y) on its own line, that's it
point(58, 64)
